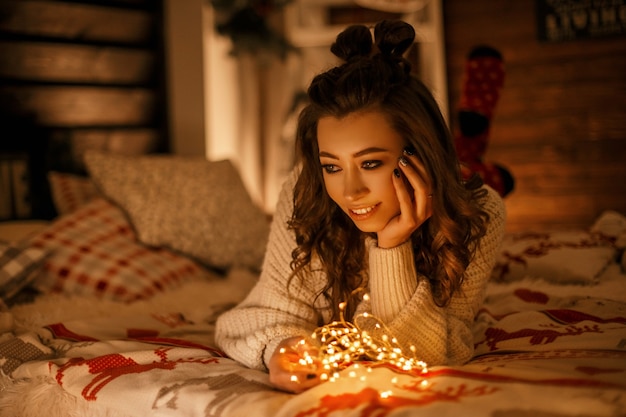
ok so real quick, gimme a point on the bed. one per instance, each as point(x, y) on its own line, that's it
point(109, 310)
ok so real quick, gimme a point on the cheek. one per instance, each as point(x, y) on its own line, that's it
point(383, 184)
point(332, 188)
point(386, 192)
point(390, 195)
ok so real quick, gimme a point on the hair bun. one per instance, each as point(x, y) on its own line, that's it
point(393, 38)
point(354, 41)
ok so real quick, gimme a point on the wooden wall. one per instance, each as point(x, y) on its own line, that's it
point(76, 75)
point(560, 124)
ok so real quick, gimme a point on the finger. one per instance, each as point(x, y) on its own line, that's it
point(300, 358)
point(304, 380)
point(404, 197)
point(295, 381)
point(415, 174)
point(417, 164)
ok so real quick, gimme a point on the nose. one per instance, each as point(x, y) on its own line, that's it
point(354, 187)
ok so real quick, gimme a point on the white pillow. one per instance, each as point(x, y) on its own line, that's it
point(187, 204)
point(577, 257)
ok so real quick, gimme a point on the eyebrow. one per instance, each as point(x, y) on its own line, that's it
point(359, 153)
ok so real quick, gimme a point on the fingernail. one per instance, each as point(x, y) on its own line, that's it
point(409, 150)
point(403, 161)
point(396, 172)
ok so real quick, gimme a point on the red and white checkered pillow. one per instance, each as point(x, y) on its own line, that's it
point(70, 191)
point(94, 250)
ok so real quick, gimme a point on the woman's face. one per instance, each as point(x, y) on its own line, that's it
point(358, 154)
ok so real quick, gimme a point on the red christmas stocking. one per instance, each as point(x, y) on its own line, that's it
point(483, 79)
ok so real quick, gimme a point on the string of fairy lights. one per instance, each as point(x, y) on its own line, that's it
point(344, 344)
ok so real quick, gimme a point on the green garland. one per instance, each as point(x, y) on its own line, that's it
point(246, 23)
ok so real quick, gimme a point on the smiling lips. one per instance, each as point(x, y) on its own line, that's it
point(363, 213)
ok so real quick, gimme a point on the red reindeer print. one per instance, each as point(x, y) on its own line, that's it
point(494, 335)
point(378, 406)
point(568, 316)
point(530, 296)
point(107, 368)
point(593, 370)
point(542, 247)
point(172, 320)
point(60, 331)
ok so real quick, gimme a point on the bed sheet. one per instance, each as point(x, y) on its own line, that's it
point(541, 349)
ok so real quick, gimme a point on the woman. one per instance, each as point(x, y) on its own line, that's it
point(378, 206)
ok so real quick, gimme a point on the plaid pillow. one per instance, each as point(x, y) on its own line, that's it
point(18, 267)
point(95, 251)
point(70, 192)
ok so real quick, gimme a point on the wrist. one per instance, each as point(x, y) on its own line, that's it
point(384, 243)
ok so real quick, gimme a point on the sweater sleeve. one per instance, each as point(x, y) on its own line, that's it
point(440, 335)
point(272, 311)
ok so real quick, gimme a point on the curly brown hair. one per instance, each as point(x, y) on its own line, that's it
point(376, 77)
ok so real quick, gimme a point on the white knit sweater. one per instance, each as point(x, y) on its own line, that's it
point(250, 332)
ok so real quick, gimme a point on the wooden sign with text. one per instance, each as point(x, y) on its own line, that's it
point(562, 20)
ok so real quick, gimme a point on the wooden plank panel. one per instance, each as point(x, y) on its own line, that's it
point(556, 98)
point(41, 61)
point(531, 212)
point(116, 3)
point(122, 141)
point(582, 69)
point(350, 14)
point(492, 21)
point(82, 106)
point(75, 21)
point(67, 146)
point(566, 152)
point(136, 4)
point(533, 130)
point(524, 118)
point(540, 178)
point(527, 51)
point(570, 74)
point(560, 124)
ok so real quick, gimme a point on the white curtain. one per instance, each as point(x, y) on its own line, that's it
point(248, 120)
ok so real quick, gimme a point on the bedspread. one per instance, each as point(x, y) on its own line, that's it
point(538, 352)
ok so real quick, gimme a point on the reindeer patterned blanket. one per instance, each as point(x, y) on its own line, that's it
point(541, 349)
point(537, 352)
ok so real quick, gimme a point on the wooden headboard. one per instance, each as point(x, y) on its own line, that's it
point(75, 75)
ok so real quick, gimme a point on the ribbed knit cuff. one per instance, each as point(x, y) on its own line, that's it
point(392, 279)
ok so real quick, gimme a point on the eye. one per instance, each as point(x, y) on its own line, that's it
point(330, 168)
point(371, 164)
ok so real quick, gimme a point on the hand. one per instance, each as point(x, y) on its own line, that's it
point(415, 203)
point(293, 366)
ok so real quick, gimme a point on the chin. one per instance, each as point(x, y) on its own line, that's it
point(369, 228)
